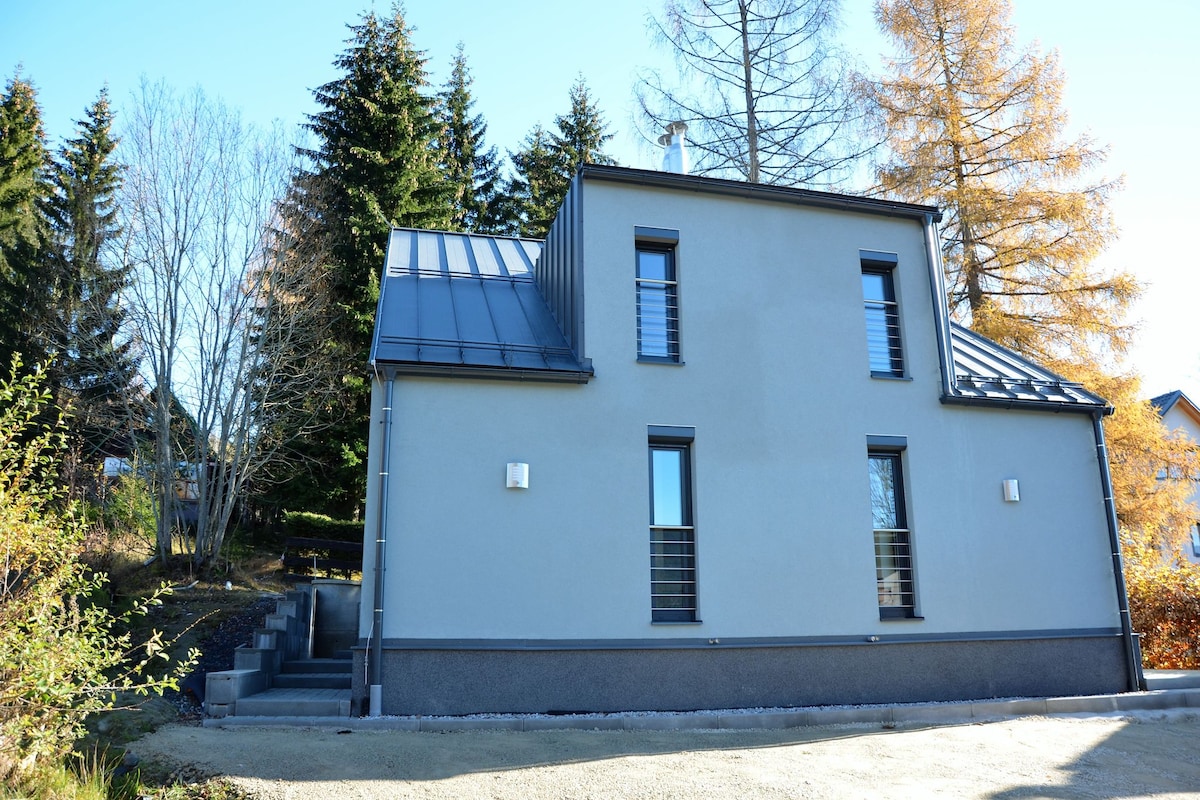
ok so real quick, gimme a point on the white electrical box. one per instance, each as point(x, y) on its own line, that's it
point(1012, 492)
point(518, 475)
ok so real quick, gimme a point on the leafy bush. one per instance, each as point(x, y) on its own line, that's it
point(1164, 606)
point(319, 526)
point(61, 656)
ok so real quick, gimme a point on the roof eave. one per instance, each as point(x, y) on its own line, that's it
point(1103, 409)
point(392, 369)
point(758, 191)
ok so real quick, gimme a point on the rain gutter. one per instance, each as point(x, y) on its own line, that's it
point(375, 657)
point(1133, 662)
point(941, 311)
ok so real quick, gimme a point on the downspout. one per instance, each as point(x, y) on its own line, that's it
point(376, 651)
point(1133, 664)
point(941, 312)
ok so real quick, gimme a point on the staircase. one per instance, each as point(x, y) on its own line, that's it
point(312, 687)
point(299, 664)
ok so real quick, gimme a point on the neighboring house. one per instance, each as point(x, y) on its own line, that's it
point(1180, 415)
point(718, 445)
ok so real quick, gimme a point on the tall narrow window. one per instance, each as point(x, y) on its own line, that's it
point(672, 535)
point(657, 303)
point(893, 550)
point(883, 321)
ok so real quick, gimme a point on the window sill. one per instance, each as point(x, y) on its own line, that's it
point(670, 362)
point(901, 619)
point(677, 622)
point(883, 376)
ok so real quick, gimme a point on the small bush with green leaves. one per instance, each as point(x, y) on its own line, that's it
point(61, 656)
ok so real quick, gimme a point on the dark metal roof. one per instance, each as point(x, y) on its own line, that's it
point(1165, 402)
point(467, 304)
point(758, 191)
point(987, 372)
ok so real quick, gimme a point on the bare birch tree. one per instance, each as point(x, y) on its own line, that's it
point(761, 88)
point(227, 310)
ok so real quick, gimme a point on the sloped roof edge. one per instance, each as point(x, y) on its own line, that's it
point(1165, 402)
point(988, 373)
point(757, 191)
point(467, 305)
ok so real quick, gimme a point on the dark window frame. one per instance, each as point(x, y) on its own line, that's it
point(893, 546)
point(667, 352)
point(673, 547)
point(885, 313)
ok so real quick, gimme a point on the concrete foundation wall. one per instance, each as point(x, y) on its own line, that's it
point(466, 681)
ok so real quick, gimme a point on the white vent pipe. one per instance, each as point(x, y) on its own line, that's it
point(675, 157)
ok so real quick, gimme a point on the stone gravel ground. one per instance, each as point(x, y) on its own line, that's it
point(1148, 754)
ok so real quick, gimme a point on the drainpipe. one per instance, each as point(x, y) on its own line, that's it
point(376, 652)
point(941, 311)
point(1133, 664)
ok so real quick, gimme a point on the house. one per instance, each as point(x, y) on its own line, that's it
point(718, 445)
point(1180, 415)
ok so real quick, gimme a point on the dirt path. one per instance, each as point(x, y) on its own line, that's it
point(1096, 757)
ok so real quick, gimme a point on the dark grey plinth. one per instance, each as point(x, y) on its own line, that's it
point(459, 681)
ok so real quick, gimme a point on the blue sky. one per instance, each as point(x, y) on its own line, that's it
point(1132, 72)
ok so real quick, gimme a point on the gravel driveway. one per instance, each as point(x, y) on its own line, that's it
point(1144, 755)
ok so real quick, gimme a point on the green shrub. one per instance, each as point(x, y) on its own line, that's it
point(319, 526)
point(61, 657)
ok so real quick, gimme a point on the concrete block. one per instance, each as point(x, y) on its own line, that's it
point(458, 724)
point(1091, 704)
point(572, 724)
point(1149, 701)
point(849, 716)
point(671, 722)
point(265, 637)
point(1008, 708)
point(773, 719)
point(218, 710)
point(289, 607)
point(281, 622)
point(231, 685)
point(268, 660)
point(941, 712)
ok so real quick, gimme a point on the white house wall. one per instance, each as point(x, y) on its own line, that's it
point(776, 384)
point(1179, 421)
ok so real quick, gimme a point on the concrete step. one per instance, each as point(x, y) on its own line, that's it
point(295, 703)
point(323, 665)
point(311, 680)
point(1172, 679)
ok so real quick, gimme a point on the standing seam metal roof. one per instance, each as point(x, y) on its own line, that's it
point(985, 370)
point(467, 304)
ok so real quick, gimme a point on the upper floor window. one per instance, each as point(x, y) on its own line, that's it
point(657, 302)
point(883, 320)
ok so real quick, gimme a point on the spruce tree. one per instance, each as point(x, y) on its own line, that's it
point(539, 186)
point(374, 165)
point(547, 162)
point(24, 282)
point(472, 168)
point(93, 369)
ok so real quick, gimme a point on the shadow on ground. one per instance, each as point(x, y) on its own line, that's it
point(1015, 758)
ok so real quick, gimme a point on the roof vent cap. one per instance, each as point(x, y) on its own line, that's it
point(675, 158)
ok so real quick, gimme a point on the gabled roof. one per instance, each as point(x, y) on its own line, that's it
point(1165, 402)
point(467, 304)
point(988, 372)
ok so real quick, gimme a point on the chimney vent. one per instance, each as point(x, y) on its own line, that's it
point(675, 157)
